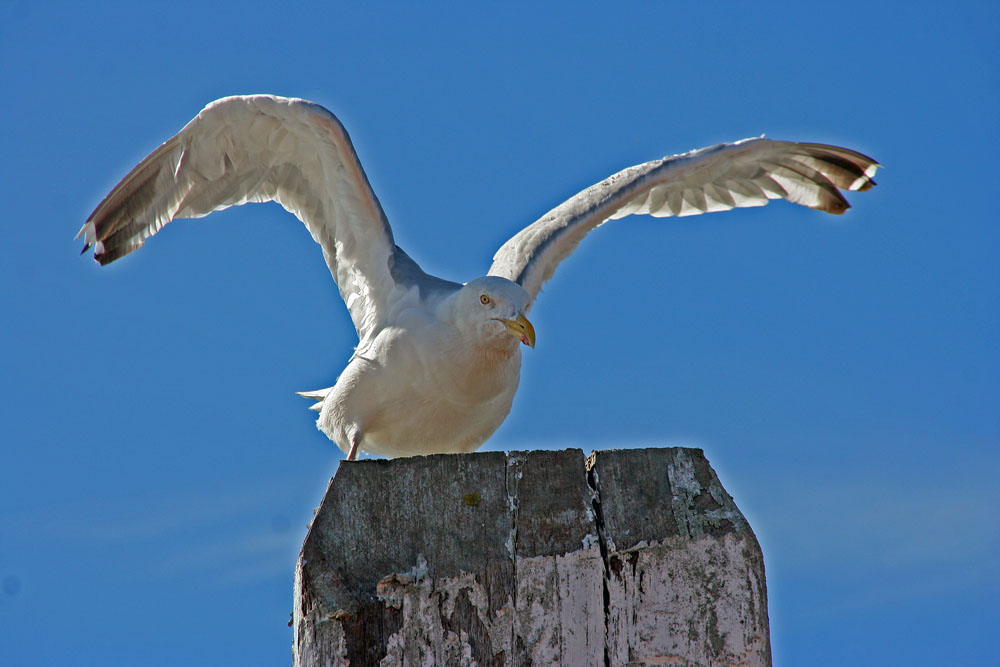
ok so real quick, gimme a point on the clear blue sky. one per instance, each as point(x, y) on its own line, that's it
point(842, 374)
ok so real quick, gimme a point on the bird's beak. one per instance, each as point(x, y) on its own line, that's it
point(522, 329)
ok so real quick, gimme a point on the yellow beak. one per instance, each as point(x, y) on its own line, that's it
point(522, 329)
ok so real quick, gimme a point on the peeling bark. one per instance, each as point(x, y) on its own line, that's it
point(532, 558)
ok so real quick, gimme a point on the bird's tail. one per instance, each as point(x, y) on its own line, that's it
point(318, 395)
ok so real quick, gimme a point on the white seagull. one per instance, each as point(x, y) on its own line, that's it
point(437, 363)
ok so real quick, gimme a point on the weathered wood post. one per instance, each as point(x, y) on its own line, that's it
point(631, 557)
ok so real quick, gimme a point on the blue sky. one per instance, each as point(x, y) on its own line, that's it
point(842, 374)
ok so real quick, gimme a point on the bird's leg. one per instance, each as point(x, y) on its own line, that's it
point(355, 443)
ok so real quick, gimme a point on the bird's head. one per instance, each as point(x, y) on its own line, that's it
point(494, 308)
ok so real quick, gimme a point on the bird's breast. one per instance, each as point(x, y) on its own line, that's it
point(419, 394)
point(478, 373)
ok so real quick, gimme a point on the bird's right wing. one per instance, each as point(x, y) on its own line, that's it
point(262, 148)
point(718, 178)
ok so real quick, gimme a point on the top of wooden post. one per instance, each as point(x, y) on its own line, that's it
point(537, 556)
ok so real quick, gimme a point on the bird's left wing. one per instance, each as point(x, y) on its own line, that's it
point(259, 148)
point(745, 173)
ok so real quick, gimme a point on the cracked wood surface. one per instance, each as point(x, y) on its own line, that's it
point(630, 557)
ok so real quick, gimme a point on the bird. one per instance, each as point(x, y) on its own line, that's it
point(437, 362)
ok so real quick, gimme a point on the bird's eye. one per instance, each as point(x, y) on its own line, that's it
point(483, 299)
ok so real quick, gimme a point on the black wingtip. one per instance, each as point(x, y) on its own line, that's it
point(86, 247)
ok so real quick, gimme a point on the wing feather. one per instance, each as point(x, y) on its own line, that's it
point(747, 193)
point(719, 178)
point(264, 148)
point(718, 198)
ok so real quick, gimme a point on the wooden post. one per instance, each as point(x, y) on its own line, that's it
point(631, 557)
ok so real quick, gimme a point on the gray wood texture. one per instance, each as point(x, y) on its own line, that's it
point(630, 557)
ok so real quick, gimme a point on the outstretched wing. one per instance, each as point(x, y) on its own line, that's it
point(718, 178)
point(263, 148)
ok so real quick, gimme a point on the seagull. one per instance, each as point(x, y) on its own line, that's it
point(437, 362)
